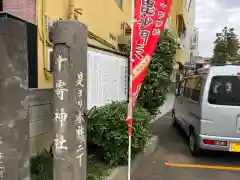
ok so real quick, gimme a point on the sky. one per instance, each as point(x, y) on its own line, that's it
point(211, 17)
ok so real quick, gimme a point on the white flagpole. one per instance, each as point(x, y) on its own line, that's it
point(129, 157)
point(130, 107)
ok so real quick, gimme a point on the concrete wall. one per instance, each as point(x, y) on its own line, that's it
point(27, 112)
point(14, 126)
point(40, 119)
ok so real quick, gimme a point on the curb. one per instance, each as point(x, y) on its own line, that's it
point(160, 116)
point(120, 173)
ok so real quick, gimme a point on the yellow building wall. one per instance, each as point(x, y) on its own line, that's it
point(177, 8)
point(173, 14)
point(101, 16)
point(180, 56)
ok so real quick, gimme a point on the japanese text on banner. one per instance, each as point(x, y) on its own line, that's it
point(150, 18)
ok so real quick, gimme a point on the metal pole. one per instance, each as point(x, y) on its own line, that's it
point(129, 156)
point(70, 100)
point(130, 106)
point(71, 9)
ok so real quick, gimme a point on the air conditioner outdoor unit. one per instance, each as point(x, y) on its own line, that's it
point(123, 40)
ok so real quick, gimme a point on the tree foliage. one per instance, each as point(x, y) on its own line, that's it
point(226, 47)
point(157, 81)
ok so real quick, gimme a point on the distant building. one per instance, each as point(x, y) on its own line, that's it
point(182, 17)
point(199, 62)
point(189, 6)
point(194, 45)
point(207, 60)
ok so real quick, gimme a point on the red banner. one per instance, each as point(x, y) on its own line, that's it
point(150, 19)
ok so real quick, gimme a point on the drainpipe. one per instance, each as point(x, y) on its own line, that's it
point(44, 39)
point(71, 10)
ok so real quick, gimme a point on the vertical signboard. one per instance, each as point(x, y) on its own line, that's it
point(70, 100)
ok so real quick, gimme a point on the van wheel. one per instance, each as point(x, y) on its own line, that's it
point(174, 122)
point(193, 145)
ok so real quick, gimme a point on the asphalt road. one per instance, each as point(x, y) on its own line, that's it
point(172, 161)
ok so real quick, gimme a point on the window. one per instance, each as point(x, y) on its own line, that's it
point(119, 3)
point(187, 4)
point(1, 5)
point(224, 90)
point(192, 88)
point(182, 31)
point(187, 87)
point(196, 90)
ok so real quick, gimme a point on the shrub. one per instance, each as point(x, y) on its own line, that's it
point(157, 81)
point(107, 140)
point(41, 166)
point(96, 170)
point(107, 131)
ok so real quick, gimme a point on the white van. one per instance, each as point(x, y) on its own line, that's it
point(207, 108)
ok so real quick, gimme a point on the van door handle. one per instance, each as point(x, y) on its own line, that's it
point(193, 115)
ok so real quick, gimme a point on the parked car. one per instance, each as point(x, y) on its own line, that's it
point(207, 108)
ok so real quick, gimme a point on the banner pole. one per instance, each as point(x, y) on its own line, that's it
point(158, 17)
point(130, 106)
point(129, 157)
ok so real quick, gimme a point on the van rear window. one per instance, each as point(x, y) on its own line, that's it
point(224, 90)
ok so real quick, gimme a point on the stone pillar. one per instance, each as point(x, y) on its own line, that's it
point(14, 126)
point(70, 100)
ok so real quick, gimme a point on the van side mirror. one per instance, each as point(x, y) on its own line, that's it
point(178, 88)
